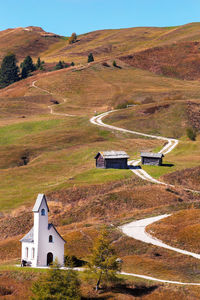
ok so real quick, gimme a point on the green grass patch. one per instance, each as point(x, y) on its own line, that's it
point(158, 171)
point(102, 175)
point(11, 133)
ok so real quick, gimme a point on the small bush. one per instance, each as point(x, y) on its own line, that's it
point(191, 134)
point(123, 104)
point(59, 65)
point(73, 38)
point(114, 64)
point(90, 58)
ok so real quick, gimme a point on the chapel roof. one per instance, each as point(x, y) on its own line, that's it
point(50, 225)
point(29, 237)
point(38, 202)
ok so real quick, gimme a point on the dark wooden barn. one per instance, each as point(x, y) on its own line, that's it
point(112, 160)
point(153, 159)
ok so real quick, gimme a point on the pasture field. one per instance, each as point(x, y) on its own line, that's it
point(60, 151)
point(169, 119)
point(54, 154)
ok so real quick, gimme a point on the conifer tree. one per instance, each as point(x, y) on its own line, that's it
point(114, 64)
point(59, 65)
point(9, 72)
point(57, 284)
point(24, 73)
point(28, 64)
point(38, 64)
point(90, 58)
point(103, 262)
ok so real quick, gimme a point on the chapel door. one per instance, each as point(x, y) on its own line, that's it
point(49, 258)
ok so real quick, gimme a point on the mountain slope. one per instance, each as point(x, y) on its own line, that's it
point(104, 44)
point(179, 60)
point(26, 41)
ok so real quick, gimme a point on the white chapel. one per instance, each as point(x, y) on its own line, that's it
point(42, 244)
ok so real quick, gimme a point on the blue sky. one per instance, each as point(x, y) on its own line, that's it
point(80, 16)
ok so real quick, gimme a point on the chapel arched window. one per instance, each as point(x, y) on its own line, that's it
point(43, 212)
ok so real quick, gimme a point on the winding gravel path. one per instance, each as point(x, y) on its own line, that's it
point(51, 106)
point(170, 145)
point(137, 229)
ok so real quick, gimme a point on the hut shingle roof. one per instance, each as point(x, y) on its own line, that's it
point(152, 155)
point(113, 154)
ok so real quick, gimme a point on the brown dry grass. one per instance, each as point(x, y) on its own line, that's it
point(167, 118)
point(188, 177)
point(19, 284)
point(25, 42)
point(104, 44)
point(16, 285)
point(181, 230)
point(107, 44)
point(180, 60)
point(99, 88)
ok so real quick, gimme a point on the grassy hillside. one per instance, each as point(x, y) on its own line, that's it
point(25, 41)
point(98, 88)
point(170, 119)
point(56, 149)
point(106, 44)
point(54, 154)
point(59, 148)
point(179, 60)
point(180, 230)
point(189, 177)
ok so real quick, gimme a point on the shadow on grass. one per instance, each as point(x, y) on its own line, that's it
point(134, 167)
point(137, 291)
point(93, 298)
point(167, 165)
point(116, 66)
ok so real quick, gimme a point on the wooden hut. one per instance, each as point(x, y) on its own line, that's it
point(112, 160)
point(153, 159)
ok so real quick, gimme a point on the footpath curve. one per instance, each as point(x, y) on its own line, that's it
point(51, 106)
point(137, 230)
point(128, 229)
point(169, 146)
